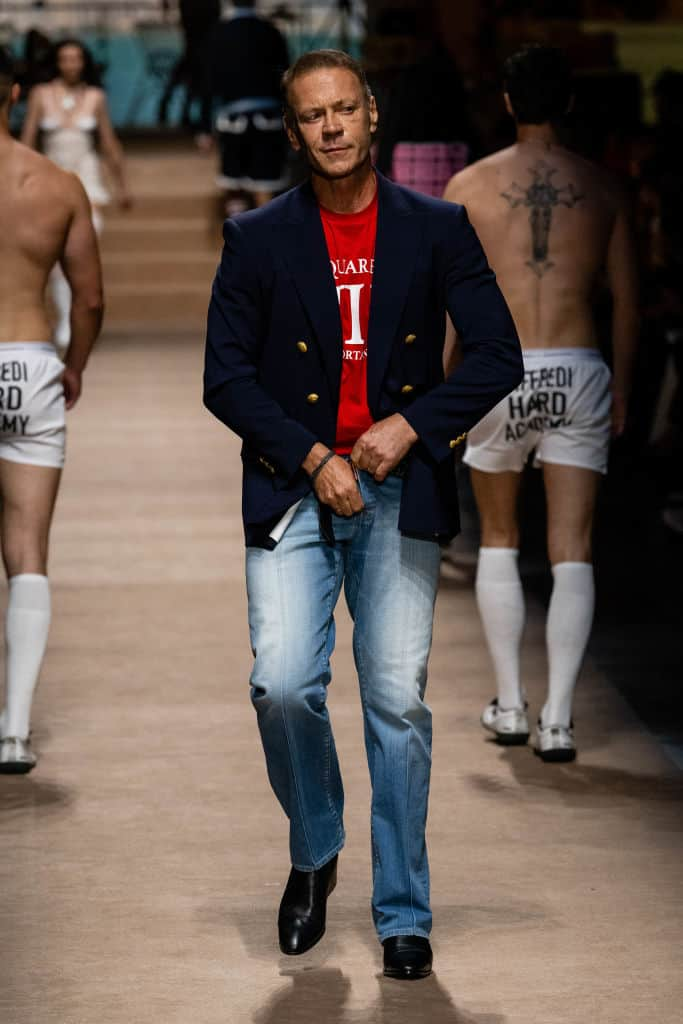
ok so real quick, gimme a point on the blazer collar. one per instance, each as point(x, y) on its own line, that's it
point(302, 203)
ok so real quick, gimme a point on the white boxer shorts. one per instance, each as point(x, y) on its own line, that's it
point(561, 412)
point(32, 414)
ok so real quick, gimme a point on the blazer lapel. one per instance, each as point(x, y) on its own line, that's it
point(305, 250)
point(398, 238)
point(309, 265)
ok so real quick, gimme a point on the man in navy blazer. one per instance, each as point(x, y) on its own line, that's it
point(324, 353)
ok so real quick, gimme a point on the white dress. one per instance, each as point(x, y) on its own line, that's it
point(70, 143)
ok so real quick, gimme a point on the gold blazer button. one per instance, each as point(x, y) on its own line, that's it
point(302, 346)
point(410, 338)
point(406, 389)
point(312, 398)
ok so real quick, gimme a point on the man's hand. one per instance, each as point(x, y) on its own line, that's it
point(381, 448)
point(71, 380)
point(336, 484)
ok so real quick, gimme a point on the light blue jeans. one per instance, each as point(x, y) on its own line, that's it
point(390, 583)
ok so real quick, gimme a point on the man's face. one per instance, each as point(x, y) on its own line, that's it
point(333, 121)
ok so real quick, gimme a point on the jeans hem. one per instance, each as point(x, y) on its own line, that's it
point(392, 933)
point(323, 860)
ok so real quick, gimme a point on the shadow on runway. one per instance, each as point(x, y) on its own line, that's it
point(19, 794)
point(313, 994)
point(257, 927)
point(580, 784)
point(313, 990)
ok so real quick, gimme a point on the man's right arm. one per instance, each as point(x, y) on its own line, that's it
point(232, 391)
point(81, 265)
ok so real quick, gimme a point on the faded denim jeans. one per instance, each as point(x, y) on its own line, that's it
point(390, 583)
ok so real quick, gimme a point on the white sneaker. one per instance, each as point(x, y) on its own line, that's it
point(16, 756)
point(555, 743)
point(510, 727)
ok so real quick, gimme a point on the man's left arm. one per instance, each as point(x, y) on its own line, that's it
point(489, 369)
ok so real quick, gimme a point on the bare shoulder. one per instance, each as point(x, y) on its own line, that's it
point(38, 175)
point(38, 94)
point(97, 95)
point(478, 177)
point(583, 168)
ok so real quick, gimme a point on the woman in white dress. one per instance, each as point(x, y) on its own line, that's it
point(68, 115)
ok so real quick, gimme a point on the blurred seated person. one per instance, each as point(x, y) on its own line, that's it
point(427, 134)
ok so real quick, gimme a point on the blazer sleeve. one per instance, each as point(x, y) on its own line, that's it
point(235, 331)
point(491, 366)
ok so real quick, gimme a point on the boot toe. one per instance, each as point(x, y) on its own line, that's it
point(407, 957)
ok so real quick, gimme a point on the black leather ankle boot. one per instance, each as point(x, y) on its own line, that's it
point(407, 957)
point(301, 921)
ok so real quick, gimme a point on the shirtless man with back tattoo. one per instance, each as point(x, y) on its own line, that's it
point(551, 225)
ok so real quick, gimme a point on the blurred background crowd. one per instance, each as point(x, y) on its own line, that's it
point(179, 69)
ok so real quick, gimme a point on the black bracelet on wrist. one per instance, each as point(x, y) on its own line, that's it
point(323, 462)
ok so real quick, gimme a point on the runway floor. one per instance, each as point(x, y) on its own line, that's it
point(142, 862)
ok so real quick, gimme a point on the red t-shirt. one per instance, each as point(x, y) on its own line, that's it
point(351, 246)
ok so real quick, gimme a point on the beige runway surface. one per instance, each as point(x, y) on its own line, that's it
point(142, 862)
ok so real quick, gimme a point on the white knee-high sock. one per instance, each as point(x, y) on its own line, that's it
point(26, 626)
point(570, 616)
point(501, 604)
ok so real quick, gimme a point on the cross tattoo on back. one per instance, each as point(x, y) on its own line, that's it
point(541, 197)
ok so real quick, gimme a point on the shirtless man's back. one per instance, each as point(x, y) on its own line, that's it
point(45, 217)
point(551, 225)
point(546, 219)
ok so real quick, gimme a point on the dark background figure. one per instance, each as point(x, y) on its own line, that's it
point(248, 56)
point(658, 416)
point(428, 134)
point(36, 66)
point(198, 18)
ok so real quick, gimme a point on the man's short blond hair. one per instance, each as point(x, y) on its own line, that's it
point(314, 61)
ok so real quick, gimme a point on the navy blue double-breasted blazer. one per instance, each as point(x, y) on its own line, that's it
point(274, 347)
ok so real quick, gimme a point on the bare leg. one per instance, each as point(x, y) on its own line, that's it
point(61, 299)
point(28, 499)
point(262, 198)
point(498, 587)
point(571, 494)
point(28, 495)
point(496, 495)
point(235, 202)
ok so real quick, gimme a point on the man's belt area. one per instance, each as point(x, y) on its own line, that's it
point(400, 470)
point(325, 512)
